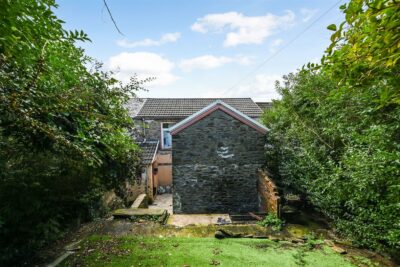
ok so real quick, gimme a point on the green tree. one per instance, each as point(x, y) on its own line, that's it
point(335, 134)
point(340, 152)
point(365, 49)
point(64, 135)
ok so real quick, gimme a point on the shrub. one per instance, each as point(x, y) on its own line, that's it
point(273, 221)
point(335, 133)
point(63, 130)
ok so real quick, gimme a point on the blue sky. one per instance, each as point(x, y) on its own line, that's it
point(203, 48)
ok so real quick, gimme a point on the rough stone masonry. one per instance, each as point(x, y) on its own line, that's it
point(215, 163)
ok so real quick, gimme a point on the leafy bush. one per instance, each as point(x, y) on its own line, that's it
point(273, 221)
point(343, 157)
point(63, 130)
point(335, 135)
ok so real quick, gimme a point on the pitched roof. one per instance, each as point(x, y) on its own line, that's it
point(180, 108)
point(134, 105)
point(218, 105)
point(149, 150)
point(264, 105)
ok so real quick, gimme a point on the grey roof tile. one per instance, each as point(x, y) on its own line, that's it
point(179, 108)
point(134, 105)
point(264, 105)
point(149, 148)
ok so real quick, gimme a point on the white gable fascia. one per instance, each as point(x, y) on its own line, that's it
point(212, 105)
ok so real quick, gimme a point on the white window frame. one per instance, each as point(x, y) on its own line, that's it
point(162, 136)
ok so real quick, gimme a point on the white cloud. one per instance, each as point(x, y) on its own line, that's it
point(275, 44)
point(243, 29)
point(307, 13)
point(199, 27)
point(145, 65)
point(261, 88)
point(211, 62)
point(165, 38)
point(170, 37)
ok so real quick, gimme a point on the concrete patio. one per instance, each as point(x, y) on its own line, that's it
point(182, 220)
point(163, 201)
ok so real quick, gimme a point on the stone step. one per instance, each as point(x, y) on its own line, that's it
point(139, 214)
point(140, 202)
point(245, 218)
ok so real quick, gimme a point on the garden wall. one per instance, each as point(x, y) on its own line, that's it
point(268, 193)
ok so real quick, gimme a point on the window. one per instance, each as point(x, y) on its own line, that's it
point(166, 136)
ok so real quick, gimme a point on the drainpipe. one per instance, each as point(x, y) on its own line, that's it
point(144, 129)
point(146, 190)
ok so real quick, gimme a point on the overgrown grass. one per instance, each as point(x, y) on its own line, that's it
point(153, 251)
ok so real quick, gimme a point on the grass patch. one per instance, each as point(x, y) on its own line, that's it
point(181, 251)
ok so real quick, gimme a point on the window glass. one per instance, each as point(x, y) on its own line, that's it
point(167, 138)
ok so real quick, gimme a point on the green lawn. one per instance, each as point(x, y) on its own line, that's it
point(174, 251)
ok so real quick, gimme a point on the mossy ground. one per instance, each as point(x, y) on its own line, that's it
point(195, 251)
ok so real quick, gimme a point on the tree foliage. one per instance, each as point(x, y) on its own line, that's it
point(335, 134)
point(63, 129)
point(365, 48)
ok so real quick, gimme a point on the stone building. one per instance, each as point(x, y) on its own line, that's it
point(216, 155)
point(224, 182)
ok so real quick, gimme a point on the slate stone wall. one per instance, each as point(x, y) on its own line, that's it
point(215, 163)
point(152, 128)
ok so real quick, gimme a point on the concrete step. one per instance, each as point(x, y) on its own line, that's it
point(140, 202)
point(134, 214)
point(246, 218)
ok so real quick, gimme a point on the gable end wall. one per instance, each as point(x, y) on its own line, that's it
point(215, 163)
